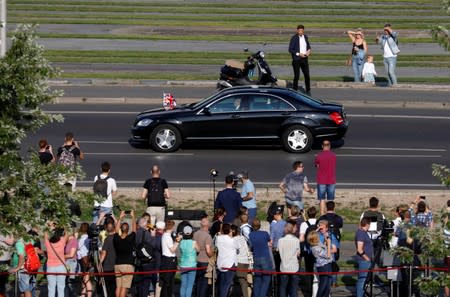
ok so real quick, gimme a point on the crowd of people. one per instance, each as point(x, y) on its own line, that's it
point(232, 246)
point(360, 60)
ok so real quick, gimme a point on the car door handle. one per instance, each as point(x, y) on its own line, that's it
point(235, 116)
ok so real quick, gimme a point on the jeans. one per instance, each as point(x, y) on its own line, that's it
point(97, 210)
point(326, 191)
point(357, 65)
point(251, 215)
point(187, 282)
point(389, 65)
point(202, 281)
point(56, 281)
point(299, 203)
point(297, 65)
point(147, 279)
point(225, 279)
point(261, 281)
point(324, 281)
point(362, 265)
point(289, 285)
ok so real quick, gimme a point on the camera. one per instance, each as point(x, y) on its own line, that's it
point(127, 212)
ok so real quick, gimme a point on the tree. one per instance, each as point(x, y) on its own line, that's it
point(30, 193)
point(440, 32)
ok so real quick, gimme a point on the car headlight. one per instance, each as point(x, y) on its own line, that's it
point(144, 123)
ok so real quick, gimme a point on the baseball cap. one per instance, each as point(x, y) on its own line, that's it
point(160, 225)
point(187, 230)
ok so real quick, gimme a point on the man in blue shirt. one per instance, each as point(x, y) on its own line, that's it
point(230, 200)
point(248, 195)
point(277, 232)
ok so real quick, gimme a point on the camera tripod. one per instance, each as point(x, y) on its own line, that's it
point(94, 258)
point(378, 245)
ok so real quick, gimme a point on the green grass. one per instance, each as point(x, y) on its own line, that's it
point(257, 39)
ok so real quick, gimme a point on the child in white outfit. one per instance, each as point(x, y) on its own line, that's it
point(369, 72)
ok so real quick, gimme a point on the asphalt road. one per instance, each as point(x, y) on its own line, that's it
point(393, 150)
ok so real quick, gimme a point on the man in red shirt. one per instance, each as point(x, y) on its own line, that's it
point(326, 175)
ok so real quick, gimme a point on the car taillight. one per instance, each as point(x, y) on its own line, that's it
point(337, 118)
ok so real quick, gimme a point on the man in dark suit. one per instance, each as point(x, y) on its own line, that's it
point(300, 50)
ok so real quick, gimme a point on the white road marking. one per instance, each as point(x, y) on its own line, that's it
point(388, 156)
point(275, 183)
point(392, 149)
point(141, 154)
point(395, 116)
point(102, 142)
point(387, 116)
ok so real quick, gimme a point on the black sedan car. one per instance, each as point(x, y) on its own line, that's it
point(248, 114)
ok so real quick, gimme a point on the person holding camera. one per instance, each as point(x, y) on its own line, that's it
point(45, 152)
point(323, 255)
point(170, 242)
point(248, 194)
point(389, 45)
point(105, 186)
point(124, 244)
point(67, 156)
point(229, 199)
point(364, 252)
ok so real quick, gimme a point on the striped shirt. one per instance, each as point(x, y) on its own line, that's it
point(289, 248)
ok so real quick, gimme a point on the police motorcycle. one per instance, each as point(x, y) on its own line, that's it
point(254, 71)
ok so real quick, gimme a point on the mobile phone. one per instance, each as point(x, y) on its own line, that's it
point(127, 212)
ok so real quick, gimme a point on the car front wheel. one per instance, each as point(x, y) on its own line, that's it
point(297, 139)
point(165, 138)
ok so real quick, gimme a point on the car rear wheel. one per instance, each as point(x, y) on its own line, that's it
point(297, 139)
point(165, 138)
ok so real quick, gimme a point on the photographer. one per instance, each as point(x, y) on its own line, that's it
point(45, 152)
point(67, 156)
point(169, 245)
point(323, 256)
point(364, 252)
point(108, 253)
point(124, 244)
point(421, 216)
point(229, 199)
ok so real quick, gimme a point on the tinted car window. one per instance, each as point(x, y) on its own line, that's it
point(229, 104)
point(265, 102)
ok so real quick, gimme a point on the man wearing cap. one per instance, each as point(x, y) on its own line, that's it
point(325, 163)
point(276, 232)
point(229, 199)
point(248, 195)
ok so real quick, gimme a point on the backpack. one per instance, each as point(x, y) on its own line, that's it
point(155, 196)
point(32, 262)
point(67, 157)
point(311, 227)
point(101, 186)
point(144, 250)
point(332, 225)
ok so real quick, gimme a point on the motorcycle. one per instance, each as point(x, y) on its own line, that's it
point(254, 71)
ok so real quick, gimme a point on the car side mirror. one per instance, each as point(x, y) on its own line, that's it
point(206, 111)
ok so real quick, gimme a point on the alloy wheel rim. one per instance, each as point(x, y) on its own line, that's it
point(297, 139)
point(165, 139)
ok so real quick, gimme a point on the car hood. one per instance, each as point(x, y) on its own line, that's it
point(162, 112)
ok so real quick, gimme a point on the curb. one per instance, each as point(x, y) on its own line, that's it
point(212, 83)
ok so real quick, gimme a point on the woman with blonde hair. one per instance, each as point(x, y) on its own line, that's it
point(359, 52)
point(322, 253)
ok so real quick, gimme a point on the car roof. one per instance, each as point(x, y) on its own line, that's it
point(253, 88)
